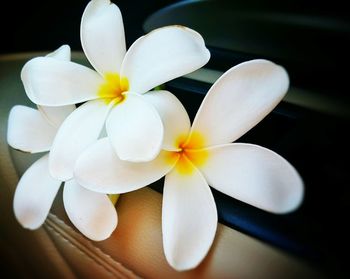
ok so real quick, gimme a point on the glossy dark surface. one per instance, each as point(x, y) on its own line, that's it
point(310, 38)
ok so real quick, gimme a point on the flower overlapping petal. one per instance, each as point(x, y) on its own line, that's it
point(114, 92)
point(149, 135)
point(34, 130)
point(196, 157)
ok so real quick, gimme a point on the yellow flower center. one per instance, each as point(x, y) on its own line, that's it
point(113, 88)
point(191, 153)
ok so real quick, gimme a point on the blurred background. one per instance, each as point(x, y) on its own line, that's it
point(45, 25)
point(311, 39)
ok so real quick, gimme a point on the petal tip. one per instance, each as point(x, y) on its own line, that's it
point(291, 200)
point(28, 219)
point(93, 214)
point(62, 53)
point(103, 236)
point(30, 226)
point(182, 266)
point(294, 201)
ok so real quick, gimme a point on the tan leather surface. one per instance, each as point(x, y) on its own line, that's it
point(29, 254)
point(57, 250)
point(32, 250)
point(137, 243)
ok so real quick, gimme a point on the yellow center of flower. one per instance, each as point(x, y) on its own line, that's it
point(191, 153)
point(113, 88)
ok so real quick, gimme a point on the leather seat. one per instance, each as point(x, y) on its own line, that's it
point(58, 250)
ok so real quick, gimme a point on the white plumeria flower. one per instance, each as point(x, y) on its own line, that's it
point(204, 155)
point(115, 90)
point(33, 131)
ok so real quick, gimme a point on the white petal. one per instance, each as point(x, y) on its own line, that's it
point(56, 115)
point(102, 36)
point(92, 213)
point(77, 132)
point(62, 53)
point(255, 175)
point(52, 82)
point(174, 116)
point(162, 55)
point(135, 129)
point(29, 131)
point(189, 219)
point(34, 195)
point(99, 169)
point(240, 99)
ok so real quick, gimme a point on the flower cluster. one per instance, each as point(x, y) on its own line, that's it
point(124, 135)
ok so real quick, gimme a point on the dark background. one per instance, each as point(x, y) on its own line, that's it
point(46, 25)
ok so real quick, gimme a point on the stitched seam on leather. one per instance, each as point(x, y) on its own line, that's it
point(69, 235)
point(50, 228)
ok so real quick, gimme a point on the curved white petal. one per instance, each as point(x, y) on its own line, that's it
point(34, 195)
point(52, 82)
point(56, 115)
point(29, 131)
point(102, 36)
point(255, 175)
point(162, 55)
point(239, 100)
point(174, 116)
point(189, 219)
point(62, 53)
point(135, 129)
point(99, 169)
point(93, 214)
point(78, 131)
